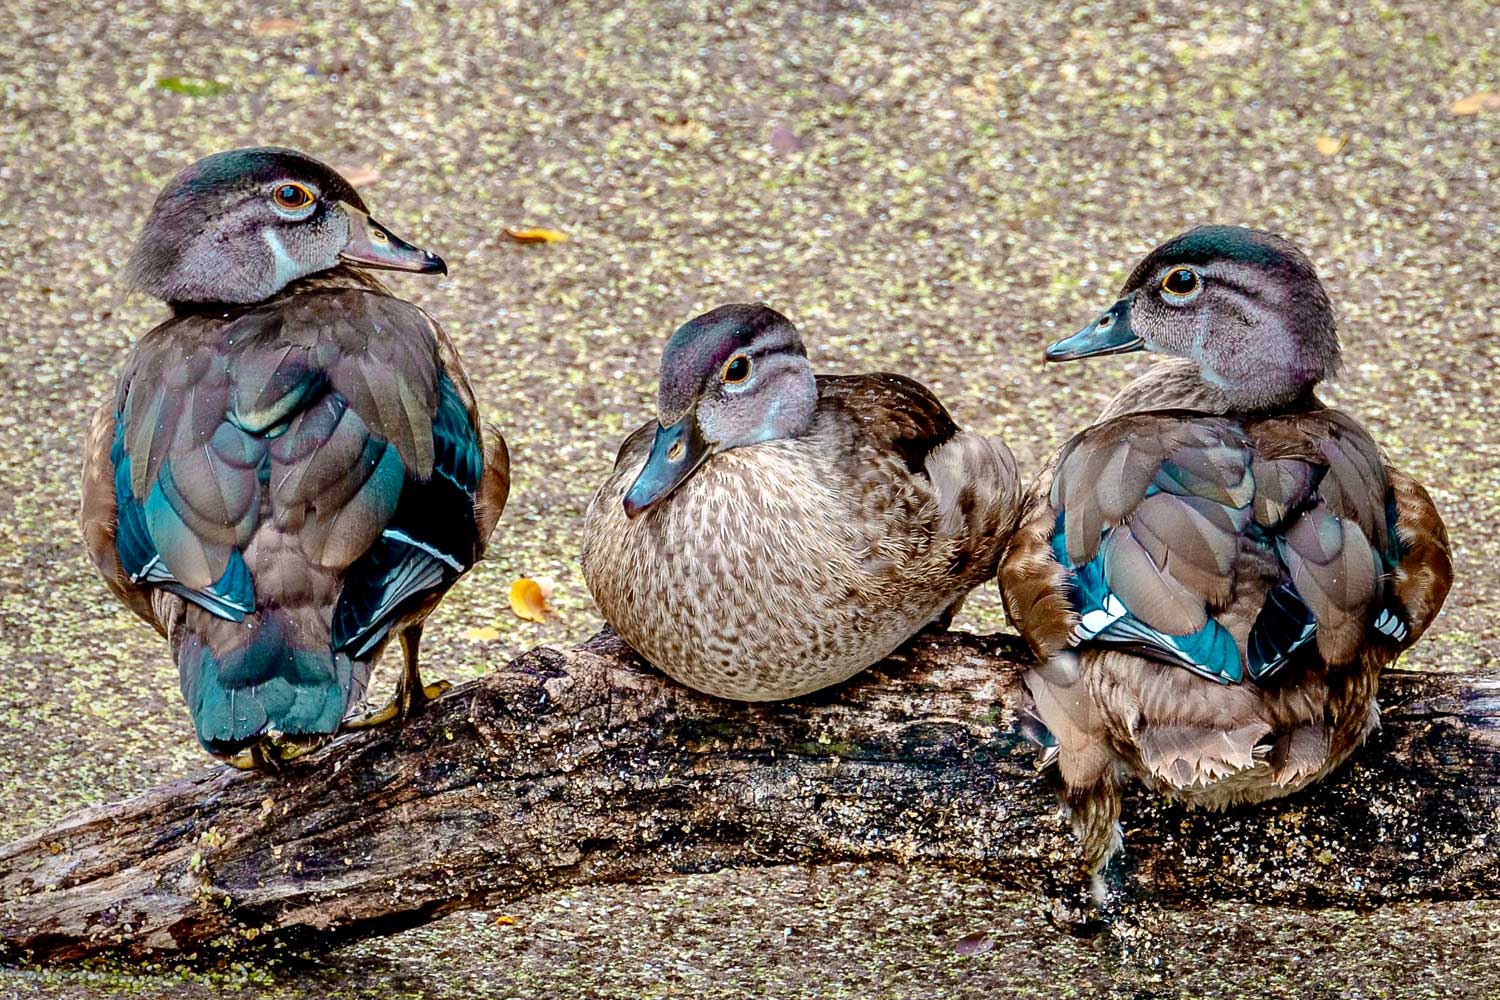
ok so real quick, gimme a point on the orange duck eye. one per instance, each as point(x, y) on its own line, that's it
point(1180, 281)
point(292, 197)
point(737, 370)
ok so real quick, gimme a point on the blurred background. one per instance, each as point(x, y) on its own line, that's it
point(936, 189)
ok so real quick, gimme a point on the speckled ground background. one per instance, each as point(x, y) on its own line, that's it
point(937, 190)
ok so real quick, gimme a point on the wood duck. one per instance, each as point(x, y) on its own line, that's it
point(773, 531)
point(292, 469)
point(1218, 569)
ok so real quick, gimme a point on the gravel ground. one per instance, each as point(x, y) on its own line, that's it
point(937, 190)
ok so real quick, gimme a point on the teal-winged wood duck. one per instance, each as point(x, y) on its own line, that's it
point(773, 531)
point(291, 471)
point(1218, 569)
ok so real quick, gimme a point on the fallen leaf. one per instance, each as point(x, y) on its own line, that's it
point(1484, 100)
point(482, 634)
point(528, 598)
point(686, 132)
point(977, 943)
point(1330, 145)
point(505, 921)
point(359, 176)
point(189, 86)
point(276, 27)
point(784, 140)
point(537, 235)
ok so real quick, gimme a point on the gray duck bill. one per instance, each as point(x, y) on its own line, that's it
point(1109, 334)
point(676, 453)
point(373, 245)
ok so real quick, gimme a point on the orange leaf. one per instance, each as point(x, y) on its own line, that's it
point(1330, 145)
point(537, 235)
point(1484, 100)
point(359, 176)
point(505, 921)
point(275, 27)
point(528, 598)
point(482, 634)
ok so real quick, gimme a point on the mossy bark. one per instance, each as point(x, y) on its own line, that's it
point(583, 766)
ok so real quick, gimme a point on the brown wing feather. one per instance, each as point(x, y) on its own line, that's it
point(494, 480)
point(1425, 573)
point(1033, 584)
point(894, 412)
point(98, 516)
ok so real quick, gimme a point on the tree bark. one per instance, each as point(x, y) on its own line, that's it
point(584, 766)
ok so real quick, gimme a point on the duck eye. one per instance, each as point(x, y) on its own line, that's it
point(1180, 281)
point(737, 370)
point(292, 197)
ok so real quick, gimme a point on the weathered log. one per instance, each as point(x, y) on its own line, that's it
point(584, 766)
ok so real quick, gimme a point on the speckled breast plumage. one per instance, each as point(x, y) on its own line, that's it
point(776, 570)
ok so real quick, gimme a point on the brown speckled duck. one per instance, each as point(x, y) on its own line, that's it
point(774, 532)
point(1217, 570)
point(291, 471)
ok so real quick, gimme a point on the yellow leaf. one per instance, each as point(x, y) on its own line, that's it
point(275, 27)
point(537, 235)
point(506, 921)
point(1330, 145)
point(1484, 100)
point(482, 634)
point(359, 176)
point(528, 598)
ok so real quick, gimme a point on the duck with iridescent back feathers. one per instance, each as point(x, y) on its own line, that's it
point(1215, 573)
point(291, 471)
point(773, 531)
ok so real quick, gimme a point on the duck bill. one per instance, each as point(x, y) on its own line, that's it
point(373, 245)
point(676, 452)
point(1109, 334)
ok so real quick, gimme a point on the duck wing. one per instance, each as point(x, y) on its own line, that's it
point(1217, 544)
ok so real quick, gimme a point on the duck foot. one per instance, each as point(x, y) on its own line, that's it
point(272, 753)
point(411, 694)
point(1075, 910)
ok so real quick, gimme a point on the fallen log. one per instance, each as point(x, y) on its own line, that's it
point(584, 766)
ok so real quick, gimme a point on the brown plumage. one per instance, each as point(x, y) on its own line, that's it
point(789, 563)
point(1214, 575)
point(281, 486)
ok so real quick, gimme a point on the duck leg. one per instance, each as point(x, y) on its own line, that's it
point(944, 621)
point(269, 754)
point(411, 693)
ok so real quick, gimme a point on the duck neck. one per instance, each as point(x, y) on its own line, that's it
point(1178, 384)
point(338, 276)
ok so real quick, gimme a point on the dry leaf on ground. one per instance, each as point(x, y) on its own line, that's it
point(537, 235)
point(528, 598)
point(1484, 100)
point(1330, 145)
point(359, 176)
point(276, 27)
point(978, 943)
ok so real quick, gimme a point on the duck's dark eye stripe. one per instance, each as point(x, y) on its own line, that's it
point(737, 370)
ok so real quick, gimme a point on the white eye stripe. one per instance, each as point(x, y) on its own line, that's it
point(287, 269)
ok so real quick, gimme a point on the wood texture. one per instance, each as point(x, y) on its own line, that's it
point(583, 766)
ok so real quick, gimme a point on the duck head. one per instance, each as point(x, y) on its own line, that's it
point(239, 226)
point(1245, 305)
point(735, 376)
